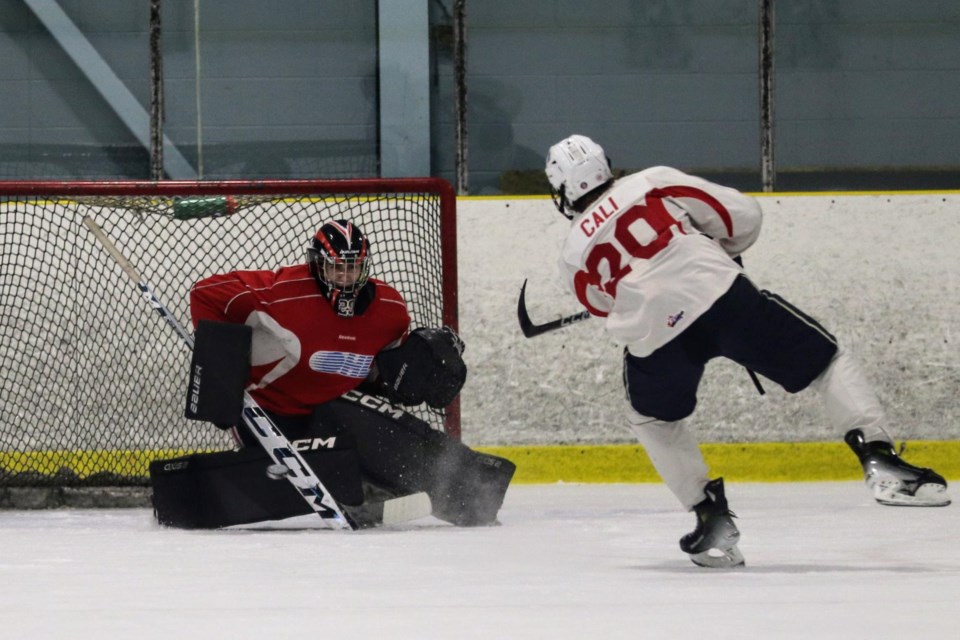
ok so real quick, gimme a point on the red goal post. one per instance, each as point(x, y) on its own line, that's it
point(94, 385)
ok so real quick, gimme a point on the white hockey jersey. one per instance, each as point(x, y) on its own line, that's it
point(655, 251)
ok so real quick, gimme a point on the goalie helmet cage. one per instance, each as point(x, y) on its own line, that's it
point(94, 384)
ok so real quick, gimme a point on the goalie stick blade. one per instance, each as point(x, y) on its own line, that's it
point(407, 508)
point(390, 512)
point(531, 330)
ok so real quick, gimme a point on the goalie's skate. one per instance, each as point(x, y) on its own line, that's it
point(713, 543)
point(894, 481)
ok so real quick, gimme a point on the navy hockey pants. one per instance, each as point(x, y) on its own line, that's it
point(755, 328)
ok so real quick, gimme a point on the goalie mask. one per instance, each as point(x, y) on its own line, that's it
point(576, 166)
point(339, 258)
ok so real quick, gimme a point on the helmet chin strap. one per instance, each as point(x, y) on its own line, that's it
point(560, 201)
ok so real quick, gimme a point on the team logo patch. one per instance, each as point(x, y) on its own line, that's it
point(673, 320)
point(346, 305)
point(351, 365)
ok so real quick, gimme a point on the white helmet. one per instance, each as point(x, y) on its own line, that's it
point(576, 166)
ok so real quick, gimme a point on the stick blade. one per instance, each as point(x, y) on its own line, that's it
point(531, 330)
point(526, 326)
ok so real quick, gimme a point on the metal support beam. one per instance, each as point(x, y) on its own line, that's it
point(404, 41)
point(104, 80)
point(460, 103)
point(768, 170)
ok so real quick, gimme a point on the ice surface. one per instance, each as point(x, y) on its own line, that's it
point(569, 561)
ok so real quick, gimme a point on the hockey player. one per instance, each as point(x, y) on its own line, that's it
point(330, 352)
point(657, 253)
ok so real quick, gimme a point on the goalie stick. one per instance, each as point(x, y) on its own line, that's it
point(298, 472)
point(531, 330)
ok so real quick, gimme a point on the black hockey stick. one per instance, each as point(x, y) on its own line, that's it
point(530, 330)
point(298, 472)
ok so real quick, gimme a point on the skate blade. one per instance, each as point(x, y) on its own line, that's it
point(718, 558)
point(927, 495)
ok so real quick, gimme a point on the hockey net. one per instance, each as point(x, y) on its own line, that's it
point(94, 382)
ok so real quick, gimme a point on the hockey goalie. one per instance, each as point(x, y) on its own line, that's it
point(327, 353)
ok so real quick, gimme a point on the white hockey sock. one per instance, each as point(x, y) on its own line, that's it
point(849, 400)
point(675, 455)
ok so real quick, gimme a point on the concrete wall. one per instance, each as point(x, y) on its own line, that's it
point(288, 89)
point(661, 82)
point(859, 84)
point(881, 272)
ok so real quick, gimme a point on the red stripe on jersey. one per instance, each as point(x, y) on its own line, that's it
point(696, 194)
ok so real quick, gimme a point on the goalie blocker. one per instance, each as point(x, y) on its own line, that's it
point(219, 369)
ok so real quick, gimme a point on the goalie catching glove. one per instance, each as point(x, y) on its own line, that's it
point(428, 368)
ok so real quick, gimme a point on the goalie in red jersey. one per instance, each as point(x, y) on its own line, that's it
point(316, 326)
point(331, 358)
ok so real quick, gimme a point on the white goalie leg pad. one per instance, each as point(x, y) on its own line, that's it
point(849, 400)
point(675, 454)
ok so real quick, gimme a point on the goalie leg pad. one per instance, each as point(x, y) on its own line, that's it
point(469, 487)
point(402, 453)
point(213, 490)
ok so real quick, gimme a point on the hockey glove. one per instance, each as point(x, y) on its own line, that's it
point(428, 368)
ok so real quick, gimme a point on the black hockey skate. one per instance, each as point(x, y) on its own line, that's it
point(713, 543)
point(894, 481)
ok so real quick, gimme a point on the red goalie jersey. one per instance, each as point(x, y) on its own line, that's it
point(303, 353)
